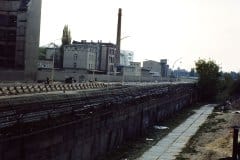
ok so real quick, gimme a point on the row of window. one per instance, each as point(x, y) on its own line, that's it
point(90, 66)
point(91, 57)
point(82, 48)
point(111, 59)
point(7, 35)
point(7, 63)
point(7, 51)
point(8, 20)
point(7, 56)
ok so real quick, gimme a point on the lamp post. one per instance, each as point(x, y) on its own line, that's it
point(52, 73)
point(178, 72)
point(174, 64)
point(53, 56)
point(53, 61)
point(108, 72)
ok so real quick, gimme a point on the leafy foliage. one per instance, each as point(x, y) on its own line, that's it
point(192, 72)
point(41, 53)
point(224, 87)
point(66, 36)
point(208, 72)
point(66, 40)
point(235, 88)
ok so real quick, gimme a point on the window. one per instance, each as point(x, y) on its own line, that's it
point(3, 34)
point(11, 35)
point(3, 20)
point(75, 57)
point(12, 21)
point(74, 65)
point(21, 30)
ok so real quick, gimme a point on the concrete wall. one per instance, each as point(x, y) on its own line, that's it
point(11, 75)
point(93, 136)
point(60, 75)
point(32, 39)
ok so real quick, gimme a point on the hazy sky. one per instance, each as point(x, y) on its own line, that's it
point(170, 29)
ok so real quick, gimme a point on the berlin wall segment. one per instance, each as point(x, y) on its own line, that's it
point(96, 134)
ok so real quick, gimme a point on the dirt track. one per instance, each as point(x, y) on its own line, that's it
point(214, 139)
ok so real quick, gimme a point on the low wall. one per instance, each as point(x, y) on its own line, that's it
point(79, 76)
point(19, 89)
point(95, 135)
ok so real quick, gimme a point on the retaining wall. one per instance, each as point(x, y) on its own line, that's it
point(95, 135)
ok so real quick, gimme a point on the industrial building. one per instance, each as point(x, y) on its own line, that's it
point(96, 56)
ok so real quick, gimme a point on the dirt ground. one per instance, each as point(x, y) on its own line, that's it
point(213, 141)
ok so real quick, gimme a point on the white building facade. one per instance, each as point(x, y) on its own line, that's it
point(153, 66)
point(137, 68)
point(126, 57)
point(79, 56)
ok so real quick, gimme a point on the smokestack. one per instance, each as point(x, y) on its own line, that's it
point(118, 43)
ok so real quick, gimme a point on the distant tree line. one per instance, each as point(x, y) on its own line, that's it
point(214, 85)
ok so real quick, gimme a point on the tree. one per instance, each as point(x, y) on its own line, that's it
point(225, 86)
point(66, 36)
point(66, 40)
point(208, 72)
point(235, 88)
point(192, 72)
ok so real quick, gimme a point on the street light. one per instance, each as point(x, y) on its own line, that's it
point(124, 37)
point(53, 56)
point(175, 63)
point(178, 71)
point(53, 61)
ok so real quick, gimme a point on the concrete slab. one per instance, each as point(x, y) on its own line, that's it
point(172, 144)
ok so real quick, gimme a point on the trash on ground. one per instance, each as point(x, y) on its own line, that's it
point(238, 112)
point(149, 139)
point(160, 127)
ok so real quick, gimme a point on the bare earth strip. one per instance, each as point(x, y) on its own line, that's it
point(213, 141)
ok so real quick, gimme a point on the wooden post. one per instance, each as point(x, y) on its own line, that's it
point(235, 143)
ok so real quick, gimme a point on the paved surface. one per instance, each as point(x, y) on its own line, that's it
point(171, 145)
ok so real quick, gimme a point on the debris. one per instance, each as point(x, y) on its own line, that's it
point(160, 127)
point(149, 139)
point(237, 112)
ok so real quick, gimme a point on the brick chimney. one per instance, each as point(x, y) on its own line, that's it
point(118, 43)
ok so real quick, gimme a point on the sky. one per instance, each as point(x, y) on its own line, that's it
point(181, 31)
